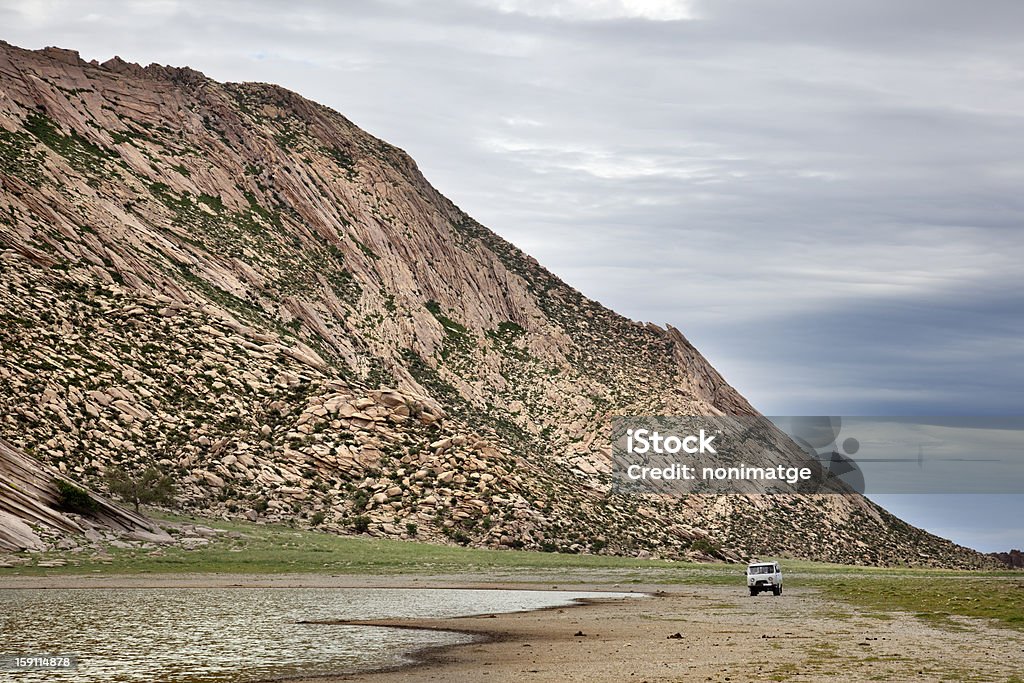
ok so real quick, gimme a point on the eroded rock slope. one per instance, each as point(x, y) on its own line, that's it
point(241, 287)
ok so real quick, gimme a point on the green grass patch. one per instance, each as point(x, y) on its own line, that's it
point(937, 598)
point(18, 158)
point(215, 203)
point(931, 594)
point(82, 154)
point(344, 160)
point(370, 253)
point(273, 549)
point(452, 328)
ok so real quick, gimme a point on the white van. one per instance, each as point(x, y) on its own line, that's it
point(764, 576)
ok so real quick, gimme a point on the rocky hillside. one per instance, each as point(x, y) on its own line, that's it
point(1013, 559)
point(43, 510)
point(31, 500)
point(241, 287)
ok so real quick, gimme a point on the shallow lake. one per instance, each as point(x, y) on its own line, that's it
point(234, 634)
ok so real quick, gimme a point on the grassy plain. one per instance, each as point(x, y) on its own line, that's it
point(253, 549)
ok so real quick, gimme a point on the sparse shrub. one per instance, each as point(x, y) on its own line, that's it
point(150, 486)
point(71, 498)
point(703, 545)
point(318, 518)
point(361, 523)
point(411, 529)
point(359, 499)
point(457, 535)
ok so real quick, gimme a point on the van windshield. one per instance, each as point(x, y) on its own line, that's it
point(762, 569)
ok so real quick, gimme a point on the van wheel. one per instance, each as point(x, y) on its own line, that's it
point(777, 590)
point(753, 592)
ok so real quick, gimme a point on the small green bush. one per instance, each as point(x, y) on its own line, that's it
point(361, 524)
point(457, 535)
point(70, 498)
point(703, 545)
point(360, 499)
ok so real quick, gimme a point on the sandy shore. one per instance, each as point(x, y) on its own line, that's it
point(723, 635)
point(678, 633)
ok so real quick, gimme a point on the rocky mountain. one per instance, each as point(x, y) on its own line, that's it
point(241, 287)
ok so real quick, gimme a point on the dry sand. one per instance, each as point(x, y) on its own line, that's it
point(724, 635)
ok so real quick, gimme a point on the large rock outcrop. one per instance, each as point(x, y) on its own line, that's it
point(240, 286)
point(30, 499)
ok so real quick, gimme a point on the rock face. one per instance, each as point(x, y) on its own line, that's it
point(243, 288)
point(1013, 559)
point(30, 500)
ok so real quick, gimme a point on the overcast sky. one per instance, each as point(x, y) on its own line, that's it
point(825, 197)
